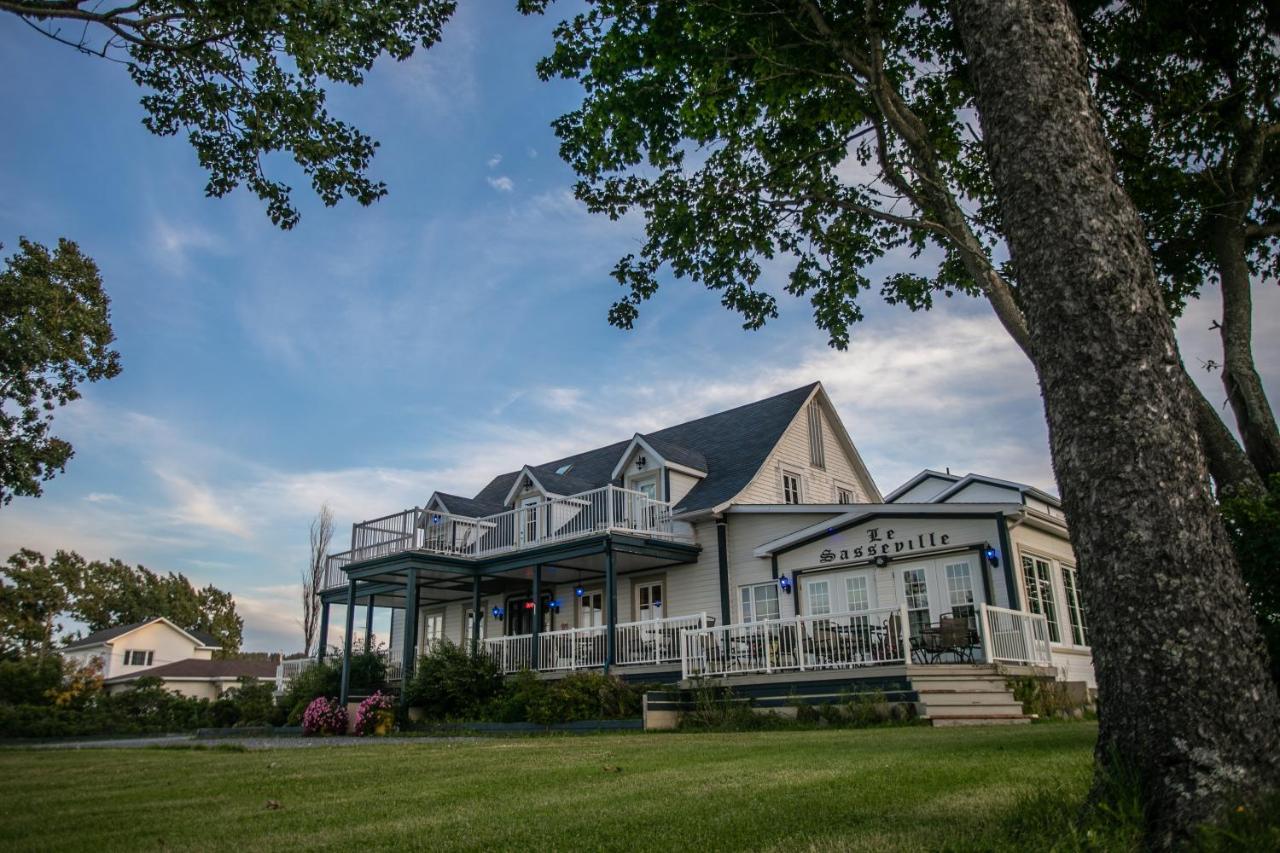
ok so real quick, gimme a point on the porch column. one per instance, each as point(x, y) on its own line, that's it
point(323, 642)
point(368, 627)
point(610, 609)
point(346, 642)
point(476, 615)
point(537, 615)
point(409, 654)
point(722, 556)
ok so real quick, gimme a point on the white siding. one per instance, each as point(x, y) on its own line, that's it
point(792, 453)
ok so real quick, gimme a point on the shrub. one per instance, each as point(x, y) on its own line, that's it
point(518, 694)
point(324, 717)
point(1254, 525)
point(312, 683)
point(368, 672)
point(585, 696)
point(374, 713)
point(452, 683)
point(254, 701)
point(30, 680)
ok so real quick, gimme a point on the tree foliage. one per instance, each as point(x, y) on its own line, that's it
point(36, 595)
point(55, 335)
point(243, 81)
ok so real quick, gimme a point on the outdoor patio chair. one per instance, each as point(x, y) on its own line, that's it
point(956, 637)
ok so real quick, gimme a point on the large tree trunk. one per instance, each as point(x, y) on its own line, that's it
point(1185, 695)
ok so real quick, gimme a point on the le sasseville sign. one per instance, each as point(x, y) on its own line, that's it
point(887, 543)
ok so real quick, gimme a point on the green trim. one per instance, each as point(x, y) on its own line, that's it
point(535, 629)
point(722, 557)
point(1006, 554)
point(368, 627)
point(410, 640)
point(611, 610)
point(477, 617)
point(323, 642)
point(344, 691)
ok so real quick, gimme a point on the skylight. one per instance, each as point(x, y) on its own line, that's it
point(564, 469)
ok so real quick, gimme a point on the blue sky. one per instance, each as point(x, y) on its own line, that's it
point(454, 330)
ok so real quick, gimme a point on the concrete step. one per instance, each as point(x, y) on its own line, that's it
point(956, 685)
point(979, 721)
point(940, 700)
point(1009, 709)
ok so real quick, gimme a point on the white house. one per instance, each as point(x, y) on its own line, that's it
point(157, 648)
point(751, 545)
point(130, 649)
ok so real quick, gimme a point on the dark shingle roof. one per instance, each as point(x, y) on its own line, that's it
point(195, 668)
point(106, 634)
point(673, 452)
point(468, 506)
point(732, 445)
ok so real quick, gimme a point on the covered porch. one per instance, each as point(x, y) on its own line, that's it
point(530, 587)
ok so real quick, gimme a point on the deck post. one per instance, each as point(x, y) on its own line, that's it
point(535, 660)
point(345, 691)
point(984, 625)
point(410, 648)
point(610, 608)
point(476, 615)
point(368, 627)
point(322, 643)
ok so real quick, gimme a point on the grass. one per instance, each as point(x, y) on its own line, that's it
point(870, 789)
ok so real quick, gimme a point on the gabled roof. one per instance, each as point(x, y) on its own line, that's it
point(107, 635)
point(926, 474)
point(733, 444)
point(469, 507)
point(203, 669)
point(673, 455)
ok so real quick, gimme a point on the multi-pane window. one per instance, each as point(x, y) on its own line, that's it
point(1075, 610)
point(855, 591)
point(819, 598)
point(817, 453)
point(591, 609)
point(431, 630)
point(790, 487)
point(137, 657)
point(649, 600)
point(843, 495)
point(960, 591)
point(760, 602)
point(915, 587)
point(1037, 576)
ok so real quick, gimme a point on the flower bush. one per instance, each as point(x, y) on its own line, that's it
point(324, 717)
point(374, 716)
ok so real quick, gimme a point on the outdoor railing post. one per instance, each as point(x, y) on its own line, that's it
point(768, 656)
point(905, 631)
point(985, 625)
point(344, 690)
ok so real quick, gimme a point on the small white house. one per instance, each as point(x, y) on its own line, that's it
point(199, 679)
point(130, 649)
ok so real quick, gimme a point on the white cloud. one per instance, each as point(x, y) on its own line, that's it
point(173, 246)
point(101, 497)
point(502, 183)
point(494, 161)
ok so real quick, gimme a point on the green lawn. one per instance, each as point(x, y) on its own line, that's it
point(886, 789)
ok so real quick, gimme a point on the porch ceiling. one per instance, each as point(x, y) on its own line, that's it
point(444, 579)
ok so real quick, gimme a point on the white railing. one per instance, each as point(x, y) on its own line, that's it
point(799, 643)
point(653, 641)
point(287, 670)
point(1012, 636)
point(608, 508)
point(512, 654)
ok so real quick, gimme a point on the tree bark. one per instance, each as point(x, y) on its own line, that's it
point(1248, 400)
point(1185, 696)
point(1232, 471)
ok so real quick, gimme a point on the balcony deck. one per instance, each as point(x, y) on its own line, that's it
point(609, 509)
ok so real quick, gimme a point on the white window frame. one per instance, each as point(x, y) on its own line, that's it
point(837, 487)
point(148, 657)
point(647, 585)
point(1042, 592)
point(818, 597)
point(589, 595)
point(470, 617)
point(955, 588)
point(529, 519)
point(1076, 618)
point(914, 610)
point(799, 489)
point(427, 635)
point(750, 598)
